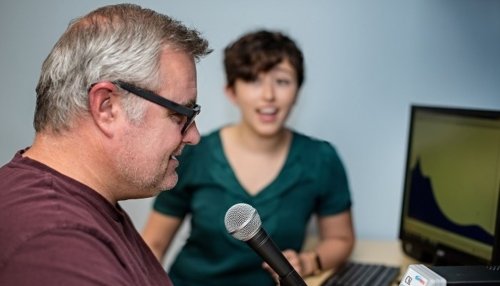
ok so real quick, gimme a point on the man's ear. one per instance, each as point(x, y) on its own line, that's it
point(104, 106)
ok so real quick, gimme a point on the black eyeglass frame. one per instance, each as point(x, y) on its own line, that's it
point(190, 113)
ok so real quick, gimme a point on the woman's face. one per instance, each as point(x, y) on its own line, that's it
point(266, 102)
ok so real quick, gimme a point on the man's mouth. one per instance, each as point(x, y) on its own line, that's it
point(176, 153)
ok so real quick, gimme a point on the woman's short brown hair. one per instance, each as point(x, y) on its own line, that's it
point(258, 52)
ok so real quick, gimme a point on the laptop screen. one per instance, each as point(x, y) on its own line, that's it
point(452, 186)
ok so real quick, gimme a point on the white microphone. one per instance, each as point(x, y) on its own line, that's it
point(243, 223)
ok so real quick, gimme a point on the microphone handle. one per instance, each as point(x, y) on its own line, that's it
point(292, 279)
point(270, 253)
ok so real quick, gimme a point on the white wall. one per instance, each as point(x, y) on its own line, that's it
point(366, 62)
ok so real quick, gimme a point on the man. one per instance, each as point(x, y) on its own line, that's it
point(116, 103)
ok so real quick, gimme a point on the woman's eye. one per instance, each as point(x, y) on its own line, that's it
point(282, 81)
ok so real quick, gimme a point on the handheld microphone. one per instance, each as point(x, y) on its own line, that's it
point(243, 223)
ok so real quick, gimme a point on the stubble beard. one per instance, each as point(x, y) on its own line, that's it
point(144, 181)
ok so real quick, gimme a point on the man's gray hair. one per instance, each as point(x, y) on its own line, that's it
point(116, 42)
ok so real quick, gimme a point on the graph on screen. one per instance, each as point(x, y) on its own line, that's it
point(453, 186)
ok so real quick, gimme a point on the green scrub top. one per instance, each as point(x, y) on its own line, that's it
point(312, 181)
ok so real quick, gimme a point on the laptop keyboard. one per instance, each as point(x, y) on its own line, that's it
point(359, 274)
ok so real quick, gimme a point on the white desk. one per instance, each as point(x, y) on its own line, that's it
point(371, 251)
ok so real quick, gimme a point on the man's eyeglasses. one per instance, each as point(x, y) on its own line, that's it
point(190, 113)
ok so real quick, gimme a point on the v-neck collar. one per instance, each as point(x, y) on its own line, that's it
point(287, 176)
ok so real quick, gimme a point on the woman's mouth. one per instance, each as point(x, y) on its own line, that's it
point(267, 110)
point(268, 114)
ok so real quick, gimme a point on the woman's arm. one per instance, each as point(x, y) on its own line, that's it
point(159, 232)
point(336, 241)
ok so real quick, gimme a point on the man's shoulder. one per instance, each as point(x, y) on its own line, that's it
point(33, 203)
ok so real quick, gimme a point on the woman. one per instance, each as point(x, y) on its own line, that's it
point(285, 175)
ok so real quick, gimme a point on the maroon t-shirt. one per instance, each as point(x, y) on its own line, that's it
point(57, 231)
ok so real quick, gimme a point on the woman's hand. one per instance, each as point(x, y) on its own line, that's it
point(293, 257)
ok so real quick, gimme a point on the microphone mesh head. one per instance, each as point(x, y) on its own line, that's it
point(242, 221)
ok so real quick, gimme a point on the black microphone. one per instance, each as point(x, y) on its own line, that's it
point(243, 223)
